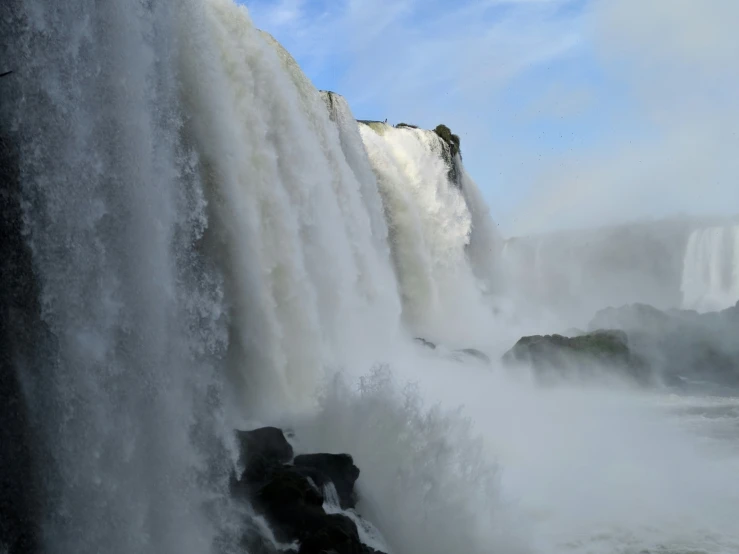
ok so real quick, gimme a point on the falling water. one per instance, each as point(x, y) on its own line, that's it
point(197, 236)
point(711, 269)
point(430, 227)
point(113, 215)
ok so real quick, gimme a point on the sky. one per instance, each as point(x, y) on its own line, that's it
point(571, 113)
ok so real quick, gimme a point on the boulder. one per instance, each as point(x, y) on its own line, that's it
point(291, 503)
point(448, 137)
point(290, 495)
point(339, 469)
point(262, 449)
point(337, 534)
point(475, 354)
point(683, 347)
point(551, 355)
point(426, 343)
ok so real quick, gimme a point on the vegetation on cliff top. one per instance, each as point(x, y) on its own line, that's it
point(450, 138)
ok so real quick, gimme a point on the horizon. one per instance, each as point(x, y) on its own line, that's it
point(571, 113)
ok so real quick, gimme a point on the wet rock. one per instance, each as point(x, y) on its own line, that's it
point(338, 534)
point(262, 449)
point(583, 356)
point(448, 137)
point(336, 468)
point(291, 503)
point(683, 347)
point(290, 495)
point(426, 343)
point(475, 354)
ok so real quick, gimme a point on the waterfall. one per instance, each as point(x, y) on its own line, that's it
point(202, 243)
point(307, 276)
point(430, 225)
point(485, 248)
point(710, 278)
point(195, 239)
point(129, 317)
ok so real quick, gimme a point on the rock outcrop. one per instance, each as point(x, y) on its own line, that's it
point(683, 348)
point(288, 491)
point(553, 356)
point(473, 353)
point(677, 348)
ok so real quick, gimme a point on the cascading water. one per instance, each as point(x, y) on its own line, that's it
point(119, 392)
point(430, 227)
point(711, 269)
point(194, 236)
point(356, 157)
point(307, 278)
point(485, 247)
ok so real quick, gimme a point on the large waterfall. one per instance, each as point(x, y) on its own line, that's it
point(129, 319)
point(206, 240)
point(432, 210)
point(196, 240)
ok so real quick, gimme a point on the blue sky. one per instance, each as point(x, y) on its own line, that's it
point(571, 112)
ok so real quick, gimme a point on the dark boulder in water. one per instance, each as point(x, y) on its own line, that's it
point(291, 503)
point(338, 469)
point(556, 355)
point(262, 449)
point(681, 346)
point(290, 495)
point(338, 534)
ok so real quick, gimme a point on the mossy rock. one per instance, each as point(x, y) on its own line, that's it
point(406, 125)
point(682, 346)
point(449, 152)
point(582, 355)
point(445, 133)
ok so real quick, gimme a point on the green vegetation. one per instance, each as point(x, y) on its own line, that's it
point(554, 356)
point(450, 138)
point(407, 125)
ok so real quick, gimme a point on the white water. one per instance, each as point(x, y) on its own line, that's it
point(309, 284)
point(113, 211)
point(211, 244)
point(711, 269)
point(430, 227)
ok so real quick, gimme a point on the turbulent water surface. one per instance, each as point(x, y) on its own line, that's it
point(198, 239)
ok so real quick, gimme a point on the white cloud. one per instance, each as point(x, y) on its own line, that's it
point(679, 60)
point(411, 56)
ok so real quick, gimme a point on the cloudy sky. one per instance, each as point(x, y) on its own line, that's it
point(571, 112)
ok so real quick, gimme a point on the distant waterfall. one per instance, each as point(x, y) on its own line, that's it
point(711, 269)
